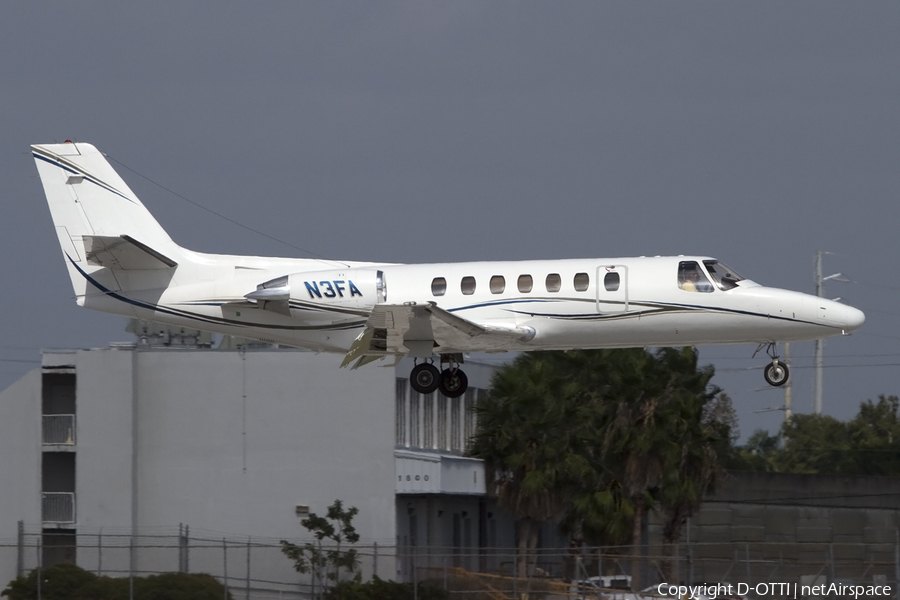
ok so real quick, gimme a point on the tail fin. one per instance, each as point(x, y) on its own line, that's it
point(99, 221)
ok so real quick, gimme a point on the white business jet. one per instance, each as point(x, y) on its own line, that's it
point(121, 261)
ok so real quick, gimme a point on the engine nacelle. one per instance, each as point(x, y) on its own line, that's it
point(356, 288)
point(352, 293)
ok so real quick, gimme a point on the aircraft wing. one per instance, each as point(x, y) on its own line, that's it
point(421, 330)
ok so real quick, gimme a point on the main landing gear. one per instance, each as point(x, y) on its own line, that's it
point(775, 373)
point(425, 378)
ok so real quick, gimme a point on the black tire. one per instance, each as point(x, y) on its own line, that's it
point(425, 378)
point(454, 383)
point(776, 374)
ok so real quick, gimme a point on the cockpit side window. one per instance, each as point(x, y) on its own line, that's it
point(724, 277)
point(691, 277)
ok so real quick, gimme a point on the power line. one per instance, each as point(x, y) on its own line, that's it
point(877, 285)
point(796, 367)
point(212, 212)
point(795, 357)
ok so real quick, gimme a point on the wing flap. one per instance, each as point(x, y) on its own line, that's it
point(422, 330)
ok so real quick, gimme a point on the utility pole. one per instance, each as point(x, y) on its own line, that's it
point(787, 387)
point(820, 344)
point(817, 384)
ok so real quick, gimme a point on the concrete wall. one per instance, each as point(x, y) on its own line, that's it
point(809, 490)
point(757, 524)
point(792, 508)
point(254, 435)
point(20, 454)
point(104, 402)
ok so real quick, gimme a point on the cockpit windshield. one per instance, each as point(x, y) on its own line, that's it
point(724, 277)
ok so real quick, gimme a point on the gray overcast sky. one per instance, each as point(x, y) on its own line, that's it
point(755, 132)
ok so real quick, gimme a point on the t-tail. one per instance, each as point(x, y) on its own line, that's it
point(109, 240)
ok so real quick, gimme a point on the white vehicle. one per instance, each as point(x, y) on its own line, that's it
point(121, 261)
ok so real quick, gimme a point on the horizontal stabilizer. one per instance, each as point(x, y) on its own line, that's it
point(123, 253)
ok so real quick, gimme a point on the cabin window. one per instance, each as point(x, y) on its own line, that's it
point(438, 286)
point(691, 277)
point(554, 282)
point(582, 280)
point(611, 282)
point(525, 283)
point(498, 284)
point(467, 285)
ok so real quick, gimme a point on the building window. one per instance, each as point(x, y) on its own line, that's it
point(401, 412)
point(442, 422)
point(428, 421)
point(438, 286)
point(455, 441)
point(467, 285)
point(582, 281)
point(554, 282)
point(525, 283)
point(498, 284)
point(457, 540)
point(469, 417)
point(611, 282)
point(415, 398)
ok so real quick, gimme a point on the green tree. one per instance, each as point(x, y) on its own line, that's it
point(601, 437)
point(325, 563)
point(875, 437)
point(815, 444)
point(868, 444)
point(527, 428)
point(662, 437)
point(760, 453)
point(701, 423)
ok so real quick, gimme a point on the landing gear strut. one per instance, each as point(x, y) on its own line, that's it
point(775, 373)
point(425, 378)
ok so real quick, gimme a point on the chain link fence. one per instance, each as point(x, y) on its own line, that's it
point(254, 568)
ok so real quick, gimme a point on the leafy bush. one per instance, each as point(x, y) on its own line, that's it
point(70, 582)
point(379, 589)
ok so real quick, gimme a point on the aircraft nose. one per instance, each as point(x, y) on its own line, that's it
point(849, 319)
point(853, 318)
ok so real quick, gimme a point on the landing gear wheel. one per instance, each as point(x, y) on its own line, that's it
point(454, 383)
point(776, 373)
point(425, 378)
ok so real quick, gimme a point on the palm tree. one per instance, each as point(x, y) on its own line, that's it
point(527, 428)
point(598, 438)
point(701, 421)
point(659, 437)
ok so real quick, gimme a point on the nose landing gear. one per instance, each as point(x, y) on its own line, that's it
point(425, 378)
point(775, 373)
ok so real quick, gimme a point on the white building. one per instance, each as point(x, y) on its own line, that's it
point(106, 450)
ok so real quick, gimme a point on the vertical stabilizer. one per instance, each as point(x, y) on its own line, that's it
point(101, 225)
